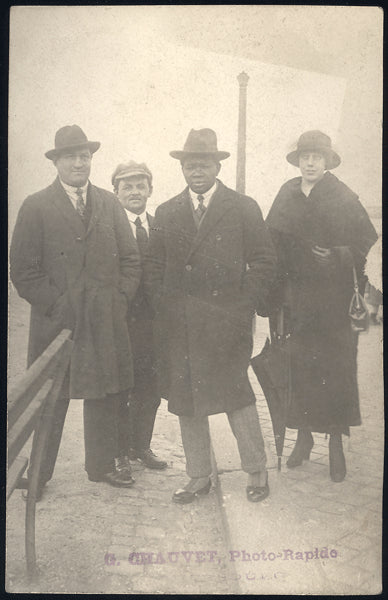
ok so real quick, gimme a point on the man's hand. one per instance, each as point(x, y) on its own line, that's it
point(322, 256)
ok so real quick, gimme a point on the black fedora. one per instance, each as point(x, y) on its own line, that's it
point(200, 141)
point(68, 138)
point(315, 141)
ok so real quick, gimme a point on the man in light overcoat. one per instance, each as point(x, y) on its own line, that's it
point(209, 265)
point(74, 259)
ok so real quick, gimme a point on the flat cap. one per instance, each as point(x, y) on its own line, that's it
point(130, 169)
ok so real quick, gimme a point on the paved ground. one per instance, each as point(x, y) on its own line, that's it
point(306, 510)
point(90, 536)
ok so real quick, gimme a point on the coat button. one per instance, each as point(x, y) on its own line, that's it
point(188, 267)
point(218, 237)
point(215, 292)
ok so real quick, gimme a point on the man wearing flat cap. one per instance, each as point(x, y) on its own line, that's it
point(74, 259)
point(132, 183)
point(208, 268)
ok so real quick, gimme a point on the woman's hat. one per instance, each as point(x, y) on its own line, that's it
point(315, 141)
point(68, 138)
point(200, 141)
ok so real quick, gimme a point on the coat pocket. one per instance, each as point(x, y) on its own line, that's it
point(62, 312)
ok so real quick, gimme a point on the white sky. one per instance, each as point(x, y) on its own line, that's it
point(127, 77)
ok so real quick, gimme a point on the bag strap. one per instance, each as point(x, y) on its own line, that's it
point(355, 280)
point(357, 295)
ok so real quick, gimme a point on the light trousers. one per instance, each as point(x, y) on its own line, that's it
point(245, 426)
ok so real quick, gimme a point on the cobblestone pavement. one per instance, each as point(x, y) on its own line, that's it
point(90, 536)
point(182, 545)
point(305, 509)
point(86, 531)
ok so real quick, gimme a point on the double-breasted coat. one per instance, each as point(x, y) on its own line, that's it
point(205, 284)
point(78, 277)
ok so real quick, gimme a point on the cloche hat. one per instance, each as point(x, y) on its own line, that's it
point(315, 141)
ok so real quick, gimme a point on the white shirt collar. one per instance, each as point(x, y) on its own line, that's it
point(132, 216)
point(207, 196)
point(70, 189)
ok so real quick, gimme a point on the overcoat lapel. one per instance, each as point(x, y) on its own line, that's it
point(150, 220)
point(64, 205)
point(218, 206)
point(96, 205)
point(183, 218)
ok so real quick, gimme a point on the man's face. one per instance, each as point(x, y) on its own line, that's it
point(312, 166)
point(200, 173)
point(133, 193)
point(74, 166)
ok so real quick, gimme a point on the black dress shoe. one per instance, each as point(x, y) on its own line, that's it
point(150, 460)
point(302, 449)
point(122, 464)
point(256, 493)
point(185, 496)
point(115, 478)
point(132, 454)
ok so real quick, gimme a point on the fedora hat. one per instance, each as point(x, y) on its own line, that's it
point(68, 138)
point(131, 169)
point(315, 141)
point(200, 141)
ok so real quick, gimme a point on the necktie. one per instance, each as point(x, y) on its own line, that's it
point(141, 237)
point(80, 203)
point(201, 209)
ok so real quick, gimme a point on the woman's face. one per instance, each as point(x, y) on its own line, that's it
point(312, 166)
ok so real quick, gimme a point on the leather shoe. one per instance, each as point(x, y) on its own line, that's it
point(122, 464)
point(256, 493)
point(185, 496)
point(115, 478)
point(150, 460)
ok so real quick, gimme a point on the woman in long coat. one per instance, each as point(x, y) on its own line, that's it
point(320, 230)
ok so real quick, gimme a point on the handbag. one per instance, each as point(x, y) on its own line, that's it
point(358, 311)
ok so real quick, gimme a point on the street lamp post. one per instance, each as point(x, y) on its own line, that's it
point(241, 135)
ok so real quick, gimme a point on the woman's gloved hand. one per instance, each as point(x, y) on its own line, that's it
point(322, 256)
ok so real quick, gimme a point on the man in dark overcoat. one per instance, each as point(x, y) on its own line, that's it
point(132, 182)
point(74, 259)
point(208, 267)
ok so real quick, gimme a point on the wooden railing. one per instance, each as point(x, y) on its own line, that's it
point(31, 404)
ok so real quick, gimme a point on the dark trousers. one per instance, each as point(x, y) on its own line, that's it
point(136, 415)
point(100, 433)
